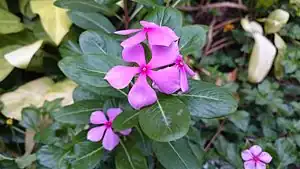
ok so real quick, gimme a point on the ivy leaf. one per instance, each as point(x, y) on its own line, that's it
point(163, 16)
point(192, 40)
point(286, 151)
point(94, 21)
point(87, 6)
point(206, 100)
point(176, 155)
point(77, 113)
point(165, 121)
point(9, 22)
point(88, 155)
point(57, 25)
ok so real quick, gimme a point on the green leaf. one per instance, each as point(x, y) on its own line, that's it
point(130, 157)
point(98, 42)
point(281, 51)
point(291, 30)
point(25, 9)
point(87, 6)
point(125, 120)
point(94, 21)
point(240, 119)
point(30, 118)
point(176, 155)
point(165, 121)
point(192, 40)
point(9, 23)
point(88, 155)
point(3, 4)
point(206, 100)
point(165, 17)
point(81, 93)
point(6, 67)
point(77, 113)
point(265, 3)
point(286, 151)
point(25, 161)
point(106, 1)
point(148, 2)
point(52, 157)
point(70, 48)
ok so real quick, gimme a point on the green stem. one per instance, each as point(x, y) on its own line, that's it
point(136, 11)
point(176, 3)
point(127, 154)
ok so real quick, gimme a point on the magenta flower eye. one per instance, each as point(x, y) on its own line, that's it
point(105, 132)
point(255, 158)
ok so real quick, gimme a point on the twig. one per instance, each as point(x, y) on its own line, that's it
point(222, 24)
point(212, 50)
point(214, 5)
point(220, 129)
point(218, 42)
point(210, 35)
point(126, 17)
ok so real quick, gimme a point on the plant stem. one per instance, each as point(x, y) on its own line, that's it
point(175, 3)
point(136, 11)
point(220, 129)
point(126, 17)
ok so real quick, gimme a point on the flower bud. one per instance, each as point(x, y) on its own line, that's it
point(276, 20)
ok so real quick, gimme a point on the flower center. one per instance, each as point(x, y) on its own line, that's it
point(147, 29)
point(256, 159)
point(144, 69)
point(108, 124)
point(179, 62)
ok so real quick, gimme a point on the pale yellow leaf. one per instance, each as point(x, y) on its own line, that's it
point(54, 20)
point(21, 57)
point(276, 20)
point(32, 93)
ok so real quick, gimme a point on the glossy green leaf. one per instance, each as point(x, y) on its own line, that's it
point(240, 119)
point(148, 2)
point(70, 48)
point(127, 119)
point(94, 21)
point(87, 6)
point(192, 40)
point(88, 155)
point(99, 42)
point(9, 22)
point(206, 100)
point(286, 151)
point(77, 113)
point(52, 157)
point(165, 17)
point(81, 93)
point(106, 1)
point(176, 155)
point(167, 120)
point(129, 156)
point(31, 118)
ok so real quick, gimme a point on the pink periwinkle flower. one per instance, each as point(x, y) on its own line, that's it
point(105, 131)
point(255, 158)
point(157, 35)
point(166, 79)
point(184, 71)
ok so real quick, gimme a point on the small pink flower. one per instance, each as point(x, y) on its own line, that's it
point(184, 71)
point(256, 159)
point(157, 35)
point(141, 94)
point(110, 138)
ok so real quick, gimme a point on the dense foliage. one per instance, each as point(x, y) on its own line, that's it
point(55, 54)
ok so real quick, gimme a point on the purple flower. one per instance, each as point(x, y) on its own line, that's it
point(255, 158)
point(157, 35)
point(141, 94)
point(110, 138)
point(184, 71)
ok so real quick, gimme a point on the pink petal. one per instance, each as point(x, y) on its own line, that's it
point(127, 32)
point(161, 36)
point(265, 157)
point(171, 33)
point(147, 24)
point(96, 134)
point(249, 164)
point(98, 117)
point(260, 165)
point(189, 70)
point(184, 85)
point(110, 140)
point(166, 80)
point(247, 155)
point(135, 54)
point(141, 94)
point(112, 113)
point(163, 55)
point(134, 40)
point(126, 132)
point(255, 150)
point(120, 76)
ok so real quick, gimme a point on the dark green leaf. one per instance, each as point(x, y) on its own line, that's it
point(106, 1)
point(81, 93)
point(70, 48)
point(87, 6)
point(127, 119)
point(31, 118)
point(165, 121)
point(286, 151)
point(240, 119)
point(206, 100)
point(192, 40)
point(88, 155)
point(9, 22)
point(94, 21)
point(77, 113)
point(176, 155)
point(148, 2)
point(52, 157)
point(163, 16)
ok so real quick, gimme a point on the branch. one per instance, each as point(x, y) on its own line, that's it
point(214, 5)
point(212, 50)
point(126, 17)
point(220, 129)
